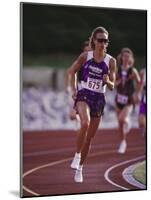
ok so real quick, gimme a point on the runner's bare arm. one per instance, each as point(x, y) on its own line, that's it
point(136, 76)
point(111, 78)
point(137, 93)
point(71, 72)
point(118, 79)
point(141, 85)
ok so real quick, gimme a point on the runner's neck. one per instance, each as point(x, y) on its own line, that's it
point(125, 67)
point(99, 56)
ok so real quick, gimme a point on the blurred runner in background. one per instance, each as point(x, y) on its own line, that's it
point(126, 75)
point(143, 106)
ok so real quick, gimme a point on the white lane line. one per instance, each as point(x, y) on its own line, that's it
point(40, 167)
point(46, 165)
point(65, 160)
point(52, 151)
point(107, 172)
point(128, 176)
point(30, 191)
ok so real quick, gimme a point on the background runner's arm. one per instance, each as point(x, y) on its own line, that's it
point(110, 80)
point(140, 85)
point(118, 79)
point(136, 76)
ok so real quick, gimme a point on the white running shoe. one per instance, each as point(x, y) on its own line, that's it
point(76, 161)
point(78, 178)
point(122, 147)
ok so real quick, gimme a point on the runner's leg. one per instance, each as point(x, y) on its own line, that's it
point(84, 114)
point(94, 123)
point(124, 119)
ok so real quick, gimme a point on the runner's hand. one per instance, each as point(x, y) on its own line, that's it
point(105, 78)
point(74, 94)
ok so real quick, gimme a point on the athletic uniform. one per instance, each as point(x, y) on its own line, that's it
point(125, 88)
point(92, 88)
point(142, 109)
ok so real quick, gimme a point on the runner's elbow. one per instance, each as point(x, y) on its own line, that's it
point(111, 87)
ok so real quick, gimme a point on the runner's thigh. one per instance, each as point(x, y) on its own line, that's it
point(126, 111)
point(83, 111)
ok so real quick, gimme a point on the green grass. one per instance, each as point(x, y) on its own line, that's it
point(140, 173)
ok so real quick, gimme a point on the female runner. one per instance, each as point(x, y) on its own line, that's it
point(126, 76)
point(98, 71)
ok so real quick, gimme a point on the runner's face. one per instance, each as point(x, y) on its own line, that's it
point(101, 45)
point(126, 57)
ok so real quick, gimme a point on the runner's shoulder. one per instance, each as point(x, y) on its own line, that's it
point(112, 60)
point(134, 70)
point(84, 54)
point(83, 57)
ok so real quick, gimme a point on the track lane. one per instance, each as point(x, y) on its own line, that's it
point(51, 180)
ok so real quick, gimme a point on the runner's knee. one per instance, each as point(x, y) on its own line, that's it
point(141, 121)
point(122, 120)
point(85, 123)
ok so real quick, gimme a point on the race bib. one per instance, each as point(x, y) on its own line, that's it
point(123, 99)
point(94, 84)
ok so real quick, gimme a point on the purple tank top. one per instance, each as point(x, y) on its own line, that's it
point(92, 73)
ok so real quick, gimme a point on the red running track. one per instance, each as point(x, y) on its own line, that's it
point(47, 156)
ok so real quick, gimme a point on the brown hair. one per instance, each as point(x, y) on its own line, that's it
point(86, 43)
point(119, 57)
point(99, 29)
